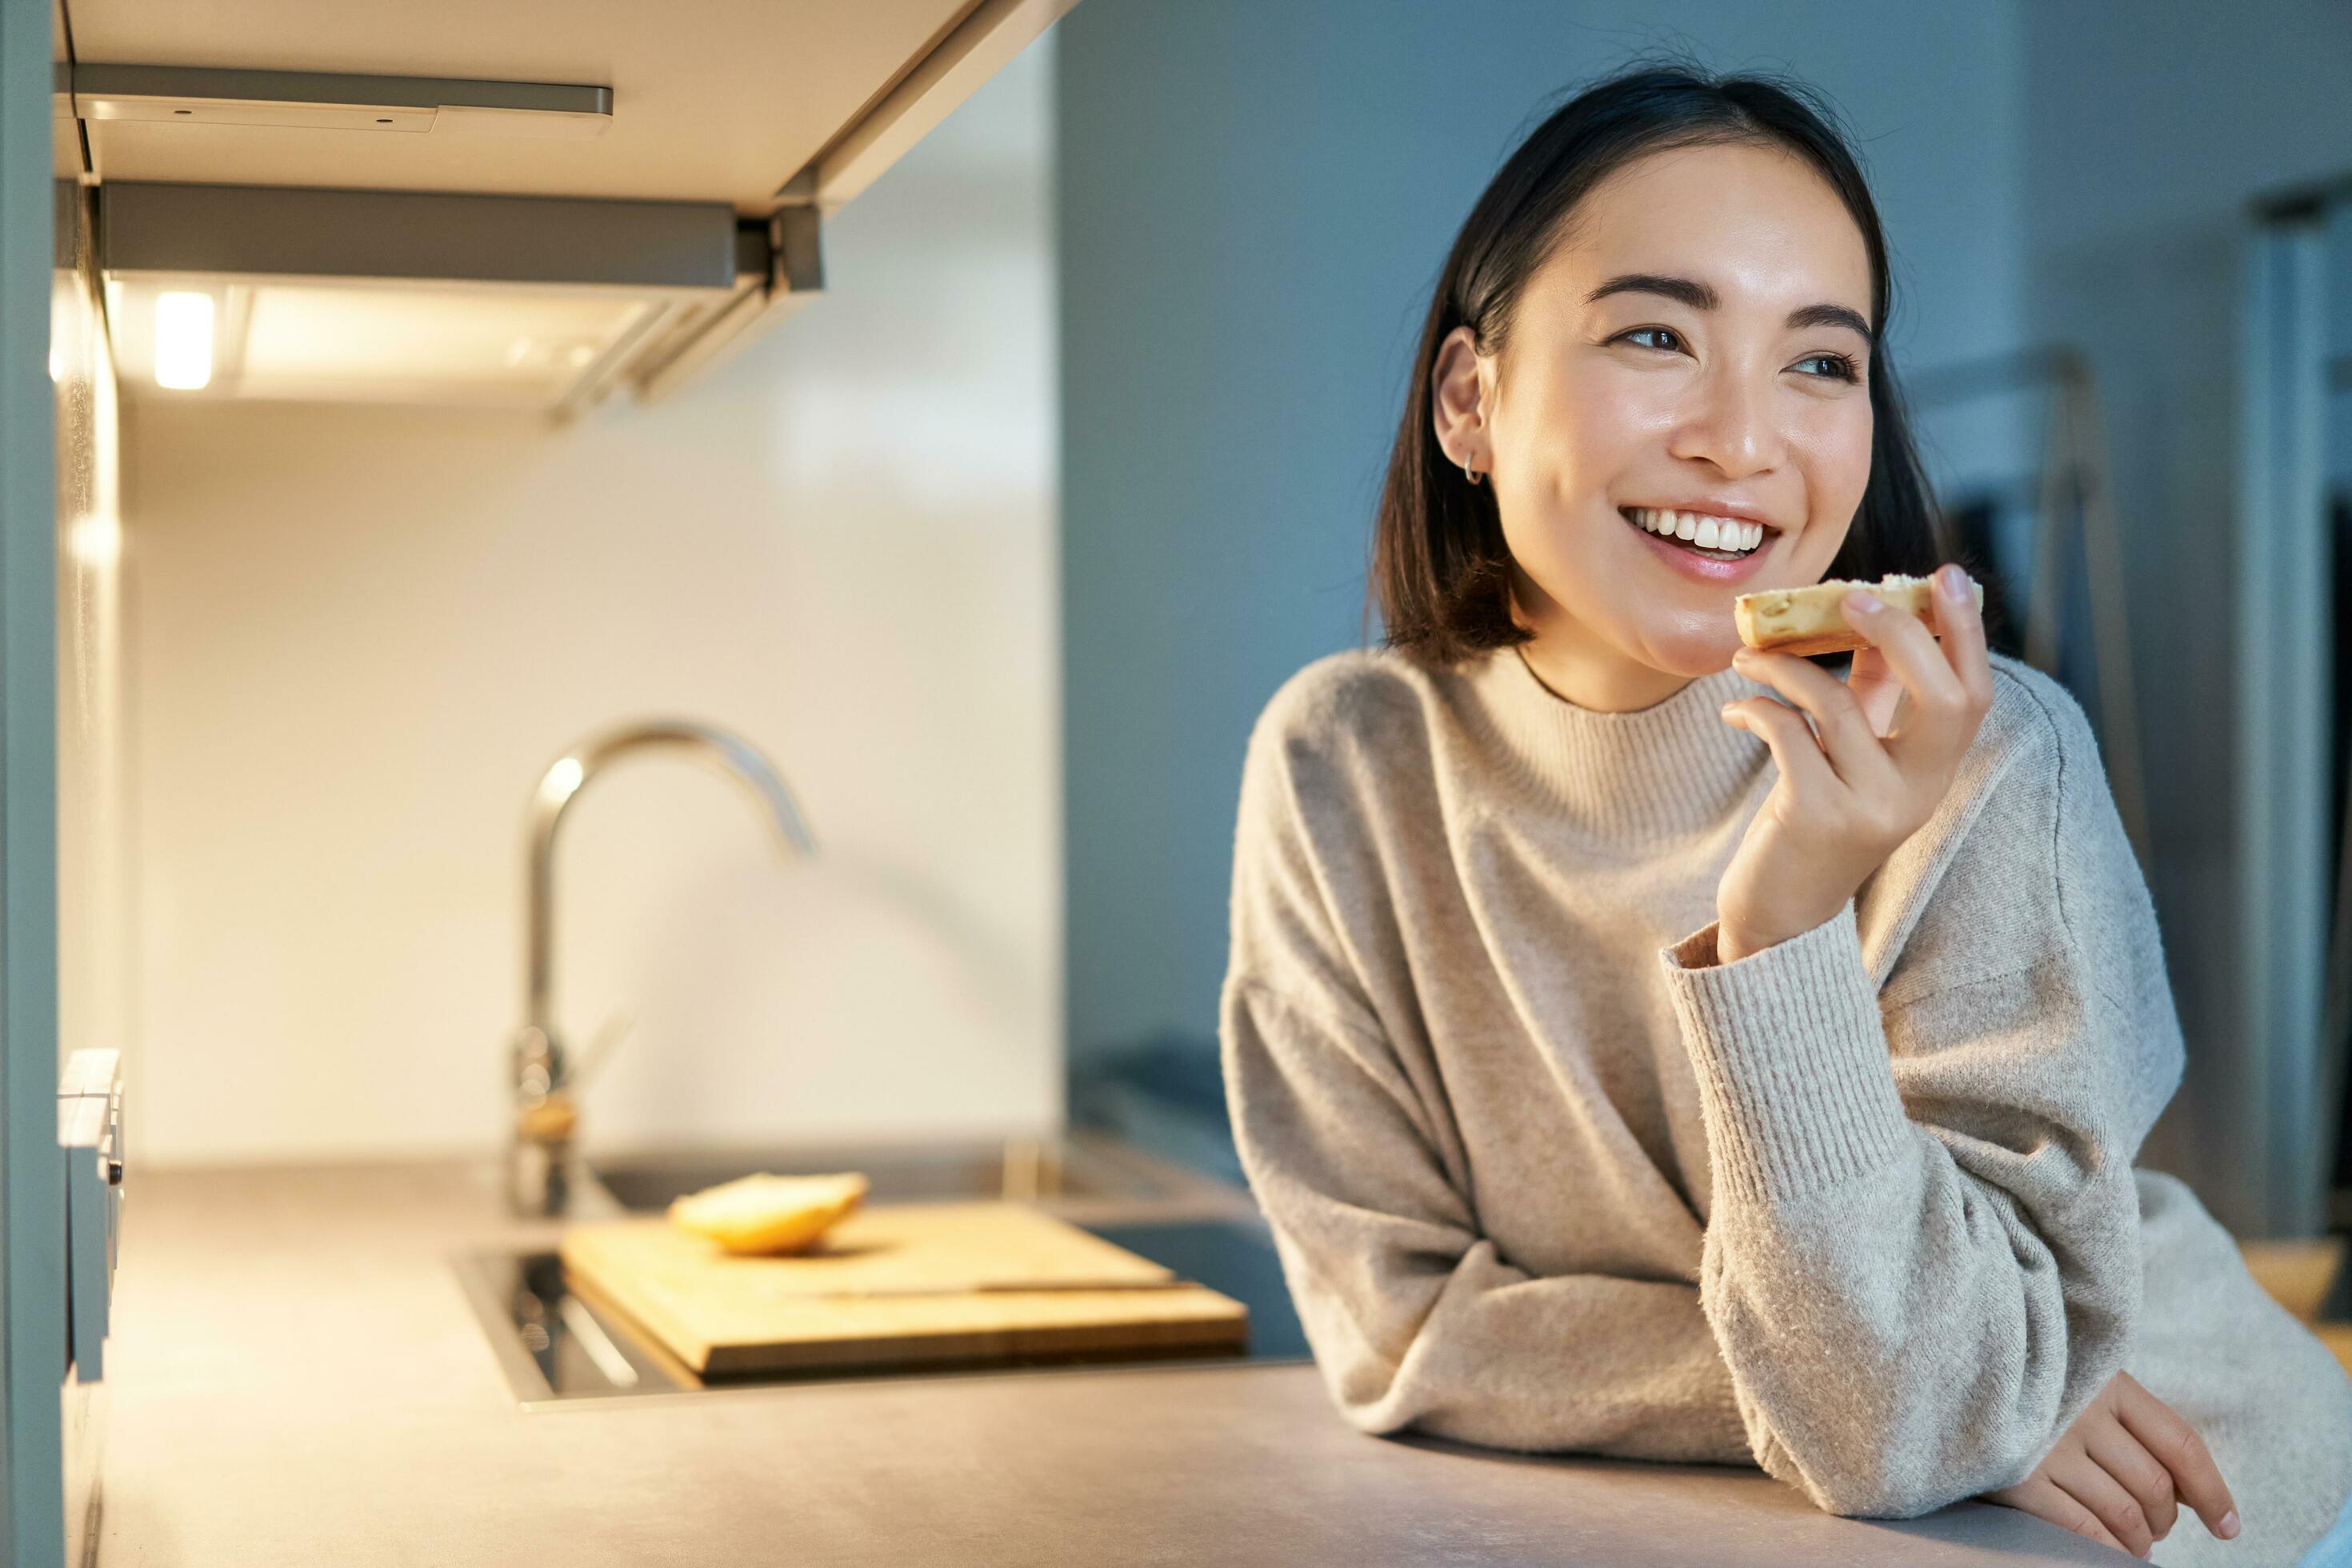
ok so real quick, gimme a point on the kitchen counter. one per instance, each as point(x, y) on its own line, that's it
point(297, 1378)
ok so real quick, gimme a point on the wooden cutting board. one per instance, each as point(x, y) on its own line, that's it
point(899, 1285)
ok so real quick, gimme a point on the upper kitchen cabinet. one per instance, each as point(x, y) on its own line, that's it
point(531, 203)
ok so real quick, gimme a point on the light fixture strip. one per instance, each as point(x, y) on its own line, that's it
point(183, 339)
point(335, 101)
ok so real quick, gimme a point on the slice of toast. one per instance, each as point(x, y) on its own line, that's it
point(1811, 621)
point(765, 1214)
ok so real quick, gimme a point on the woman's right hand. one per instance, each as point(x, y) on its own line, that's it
point(2117, 1472)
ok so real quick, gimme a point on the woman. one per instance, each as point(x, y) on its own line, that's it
point(1630, 1062)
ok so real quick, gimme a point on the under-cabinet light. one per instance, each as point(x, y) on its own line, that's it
point(183, 339)
point(96, 538)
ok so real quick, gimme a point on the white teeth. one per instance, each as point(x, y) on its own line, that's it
point(1708, 532)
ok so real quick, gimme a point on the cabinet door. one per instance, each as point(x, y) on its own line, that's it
point(32, 1212)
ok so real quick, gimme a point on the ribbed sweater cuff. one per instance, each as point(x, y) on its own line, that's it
point(1792, 1060)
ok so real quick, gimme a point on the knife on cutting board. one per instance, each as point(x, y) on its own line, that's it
point(988, 1286)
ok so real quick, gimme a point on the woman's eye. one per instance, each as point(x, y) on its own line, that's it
point(1835, 367)
point(1652, 332)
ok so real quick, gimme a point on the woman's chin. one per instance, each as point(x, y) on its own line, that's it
point(1692, 654)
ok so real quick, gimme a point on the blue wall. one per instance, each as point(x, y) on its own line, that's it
point(1255, 198)
point(2152, 127)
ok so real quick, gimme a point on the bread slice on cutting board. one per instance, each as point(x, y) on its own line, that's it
point(765, 1214)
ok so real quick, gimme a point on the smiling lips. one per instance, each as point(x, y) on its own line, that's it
point(1726, 535)
point(1718, 551)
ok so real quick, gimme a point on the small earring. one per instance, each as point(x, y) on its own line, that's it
point(1471, 473)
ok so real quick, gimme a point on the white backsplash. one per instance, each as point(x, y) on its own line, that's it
point(361, 634)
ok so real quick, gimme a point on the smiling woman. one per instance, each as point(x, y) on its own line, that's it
point(1648, 1047)
point(1712, 272)
point(1592, 389)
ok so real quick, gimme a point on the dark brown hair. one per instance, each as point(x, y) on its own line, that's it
point(1440, 575)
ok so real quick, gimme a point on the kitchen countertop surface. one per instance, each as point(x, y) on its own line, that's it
point(296, 1377)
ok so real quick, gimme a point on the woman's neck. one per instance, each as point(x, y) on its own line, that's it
point(1579, 668)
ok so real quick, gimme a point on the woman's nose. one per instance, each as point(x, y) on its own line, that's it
point(1731, 427)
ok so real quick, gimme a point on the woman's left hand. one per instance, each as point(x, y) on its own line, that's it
point(1849, 795)
point(2120, 1472)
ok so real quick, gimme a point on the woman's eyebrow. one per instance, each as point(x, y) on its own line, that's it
point(1699, 296)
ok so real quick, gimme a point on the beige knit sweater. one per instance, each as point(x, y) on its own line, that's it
point(1859, 1208)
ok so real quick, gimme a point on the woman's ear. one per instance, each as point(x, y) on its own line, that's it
point(1458, 404)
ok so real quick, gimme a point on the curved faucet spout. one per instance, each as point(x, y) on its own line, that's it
point(568, 774)
point(545, 1116)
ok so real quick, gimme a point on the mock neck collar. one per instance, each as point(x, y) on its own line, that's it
point(1660, 772)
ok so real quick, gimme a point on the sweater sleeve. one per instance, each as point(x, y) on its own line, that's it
point(1414, 1318)
point(1923, 1256)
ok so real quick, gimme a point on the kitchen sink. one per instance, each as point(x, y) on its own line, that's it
point(556, 1346)
point(1076, 1166)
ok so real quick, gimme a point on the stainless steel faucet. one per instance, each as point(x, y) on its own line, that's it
point(546, 1115)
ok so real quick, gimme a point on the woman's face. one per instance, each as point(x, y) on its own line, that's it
point(1698, 342)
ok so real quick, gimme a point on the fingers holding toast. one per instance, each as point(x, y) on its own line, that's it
point(1812, 620)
